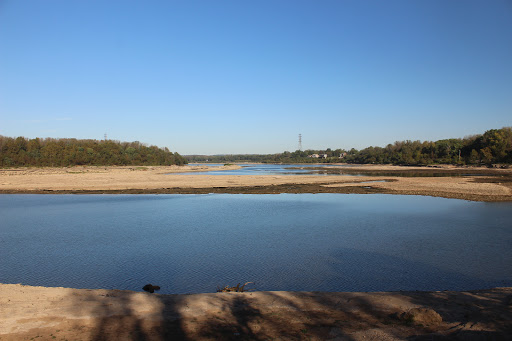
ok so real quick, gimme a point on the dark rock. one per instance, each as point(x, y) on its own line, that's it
point(150, 288)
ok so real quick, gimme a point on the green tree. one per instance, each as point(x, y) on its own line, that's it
point(474, 158)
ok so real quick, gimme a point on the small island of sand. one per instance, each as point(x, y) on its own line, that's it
point(478, 183)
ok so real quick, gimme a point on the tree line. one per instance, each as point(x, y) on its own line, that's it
point(298, 156)
point(492, 147)
point(23, 152)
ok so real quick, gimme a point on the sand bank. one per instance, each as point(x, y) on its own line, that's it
point(486, 185)
point(39, 313)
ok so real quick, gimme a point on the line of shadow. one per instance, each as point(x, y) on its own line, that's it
point(477, 315)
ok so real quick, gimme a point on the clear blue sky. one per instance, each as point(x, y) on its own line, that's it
point(213, 77)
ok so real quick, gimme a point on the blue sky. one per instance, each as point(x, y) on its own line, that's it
point(214, 77)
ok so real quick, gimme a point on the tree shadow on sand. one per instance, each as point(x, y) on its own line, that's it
point(267, 315)
point(127, 315)
point(115, 314)
point(470, 315)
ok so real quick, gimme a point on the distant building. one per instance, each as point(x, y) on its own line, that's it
point(318, 156)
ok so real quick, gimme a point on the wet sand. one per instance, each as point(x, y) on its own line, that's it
point(481, 184)
point(39, 313)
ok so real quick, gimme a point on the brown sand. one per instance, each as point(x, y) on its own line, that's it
point(496, 186)
point(38, 313)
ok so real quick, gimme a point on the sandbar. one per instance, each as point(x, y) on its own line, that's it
point(477, 184)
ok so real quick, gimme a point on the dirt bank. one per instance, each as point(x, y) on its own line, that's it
point(38, 313)
point(480, 185)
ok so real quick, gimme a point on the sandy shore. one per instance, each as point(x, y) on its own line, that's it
point(486, 185)
point(39, 313)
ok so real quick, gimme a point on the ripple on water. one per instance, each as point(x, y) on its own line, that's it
point(304, 242)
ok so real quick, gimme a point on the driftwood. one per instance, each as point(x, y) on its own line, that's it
point(238, 288)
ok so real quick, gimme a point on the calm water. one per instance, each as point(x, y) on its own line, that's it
point(194, 243)
point(308, 169)
point(265, 169)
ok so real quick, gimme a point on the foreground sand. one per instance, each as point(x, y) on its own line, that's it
point(497, 186)
point(39, 313)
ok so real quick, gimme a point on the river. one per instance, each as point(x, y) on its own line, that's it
point(301, 242)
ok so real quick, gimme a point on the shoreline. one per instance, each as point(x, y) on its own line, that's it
point(30, 312)
point(277, 189)
point(481, 184)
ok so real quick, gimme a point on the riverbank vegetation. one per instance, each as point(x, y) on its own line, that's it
point(492, 147)
point(50, 152)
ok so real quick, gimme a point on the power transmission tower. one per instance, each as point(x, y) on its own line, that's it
point(300, 142)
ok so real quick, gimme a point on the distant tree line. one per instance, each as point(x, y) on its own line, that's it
point(19, 151)
point(493, 147)
point(298, 156)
